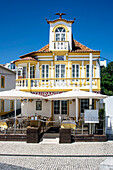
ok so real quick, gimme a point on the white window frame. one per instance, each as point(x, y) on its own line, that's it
point(32, 72)
point(60, 60)
point(60, 33)
point(76, 71)
point(45, 71)
point(89, 70)
point(60, 71)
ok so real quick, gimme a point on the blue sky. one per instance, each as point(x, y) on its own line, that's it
point(23, 27)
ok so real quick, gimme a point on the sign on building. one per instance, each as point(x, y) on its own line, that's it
point(91, 116)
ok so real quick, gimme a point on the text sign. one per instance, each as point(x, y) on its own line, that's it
point(91, 116)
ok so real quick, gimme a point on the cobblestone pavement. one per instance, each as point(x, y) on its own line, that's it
point(83, 156)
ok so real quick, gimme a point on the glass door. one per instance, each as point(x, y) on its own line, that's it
point(56, 109)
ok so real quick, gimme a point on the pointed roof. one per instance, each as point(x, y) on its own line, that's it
point(76, 47)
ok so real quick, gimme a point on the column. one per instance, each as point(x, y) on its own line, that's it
point(17, 72)
point(29, 81)
point(76, 105)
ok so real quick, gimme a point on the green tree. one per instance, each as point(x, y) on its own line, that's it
point(107, 80)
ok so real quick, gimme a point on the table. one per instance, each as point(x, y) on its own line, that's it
point(68, 124)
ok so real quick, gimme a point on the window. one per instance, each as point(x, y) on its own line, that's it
point(64, 107)
point(60, 71)
point(2, 82)
point(11, 105)
point(87, 70)
point(24, 72)
point(12, 66)
point(45, 71)
point(85, 104)
point(57, 107)
point(38, 105)
point(60, 34)
point(60, 58)
point(19, 73)
point(75, 71)
point(32, 75)
point(2, 105)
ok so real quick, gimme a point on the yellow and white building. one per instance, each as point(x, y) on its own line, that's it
point(59, 66)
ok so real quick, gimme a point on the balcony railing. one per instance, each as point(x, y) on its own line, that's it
point(60, 45)
point(57, 83)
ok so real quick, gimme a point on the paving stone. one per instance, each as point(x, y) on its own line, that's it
point(80, 156)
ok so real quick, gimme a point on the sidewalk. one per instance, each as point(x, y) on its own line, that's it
point(54, 156)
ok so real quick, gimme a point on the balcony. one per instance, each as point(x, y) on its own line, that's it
point(57, 84)
point(61, 45)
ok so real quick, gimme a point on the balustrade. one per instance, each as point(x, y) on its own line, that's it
point(50, 83)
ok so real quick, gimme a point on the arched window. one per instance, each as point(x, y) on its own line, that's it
point(60, 34)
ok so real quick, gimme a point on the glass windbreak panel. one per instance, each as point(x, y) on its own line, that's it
point(56, 107)
point(62, 71)
point(85, 104)
point(64, 107)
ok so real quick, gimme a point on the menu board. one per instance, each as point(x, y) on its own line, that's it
point(91, 116)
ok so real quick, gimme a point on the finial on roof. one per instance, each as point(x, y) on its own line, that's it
point(60, 14)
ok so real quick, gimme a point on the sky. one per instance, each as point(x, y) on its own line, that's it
point(23, 27)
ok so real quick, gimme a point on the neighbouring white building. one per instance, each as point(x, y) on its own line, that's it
point(7, 82)
point(109, 115)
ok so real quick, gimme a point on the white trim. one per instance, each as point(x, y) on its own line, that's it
point(83, 56)
point(75, 70)
point(44, 56)
point(45, 60)
point(80, 59)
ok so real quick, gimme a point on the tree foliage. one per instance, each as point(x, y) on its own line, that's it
point(107, 80)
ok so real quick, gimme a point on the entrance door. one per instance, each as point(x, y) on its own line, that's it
point(56, 109)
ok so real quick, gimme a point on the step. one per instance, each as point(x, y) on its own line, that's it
point(50, 135)
point(50, 141)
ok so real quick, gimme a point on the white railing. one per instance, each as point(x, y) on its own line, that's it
point(60, 45)
point(50, 83)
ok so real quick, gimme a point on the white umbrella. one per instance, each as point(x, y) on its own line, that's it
point(76, 94)
point(16, 94)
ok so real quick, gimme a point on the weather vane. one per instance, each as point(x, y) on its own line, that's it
point(60, 14)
